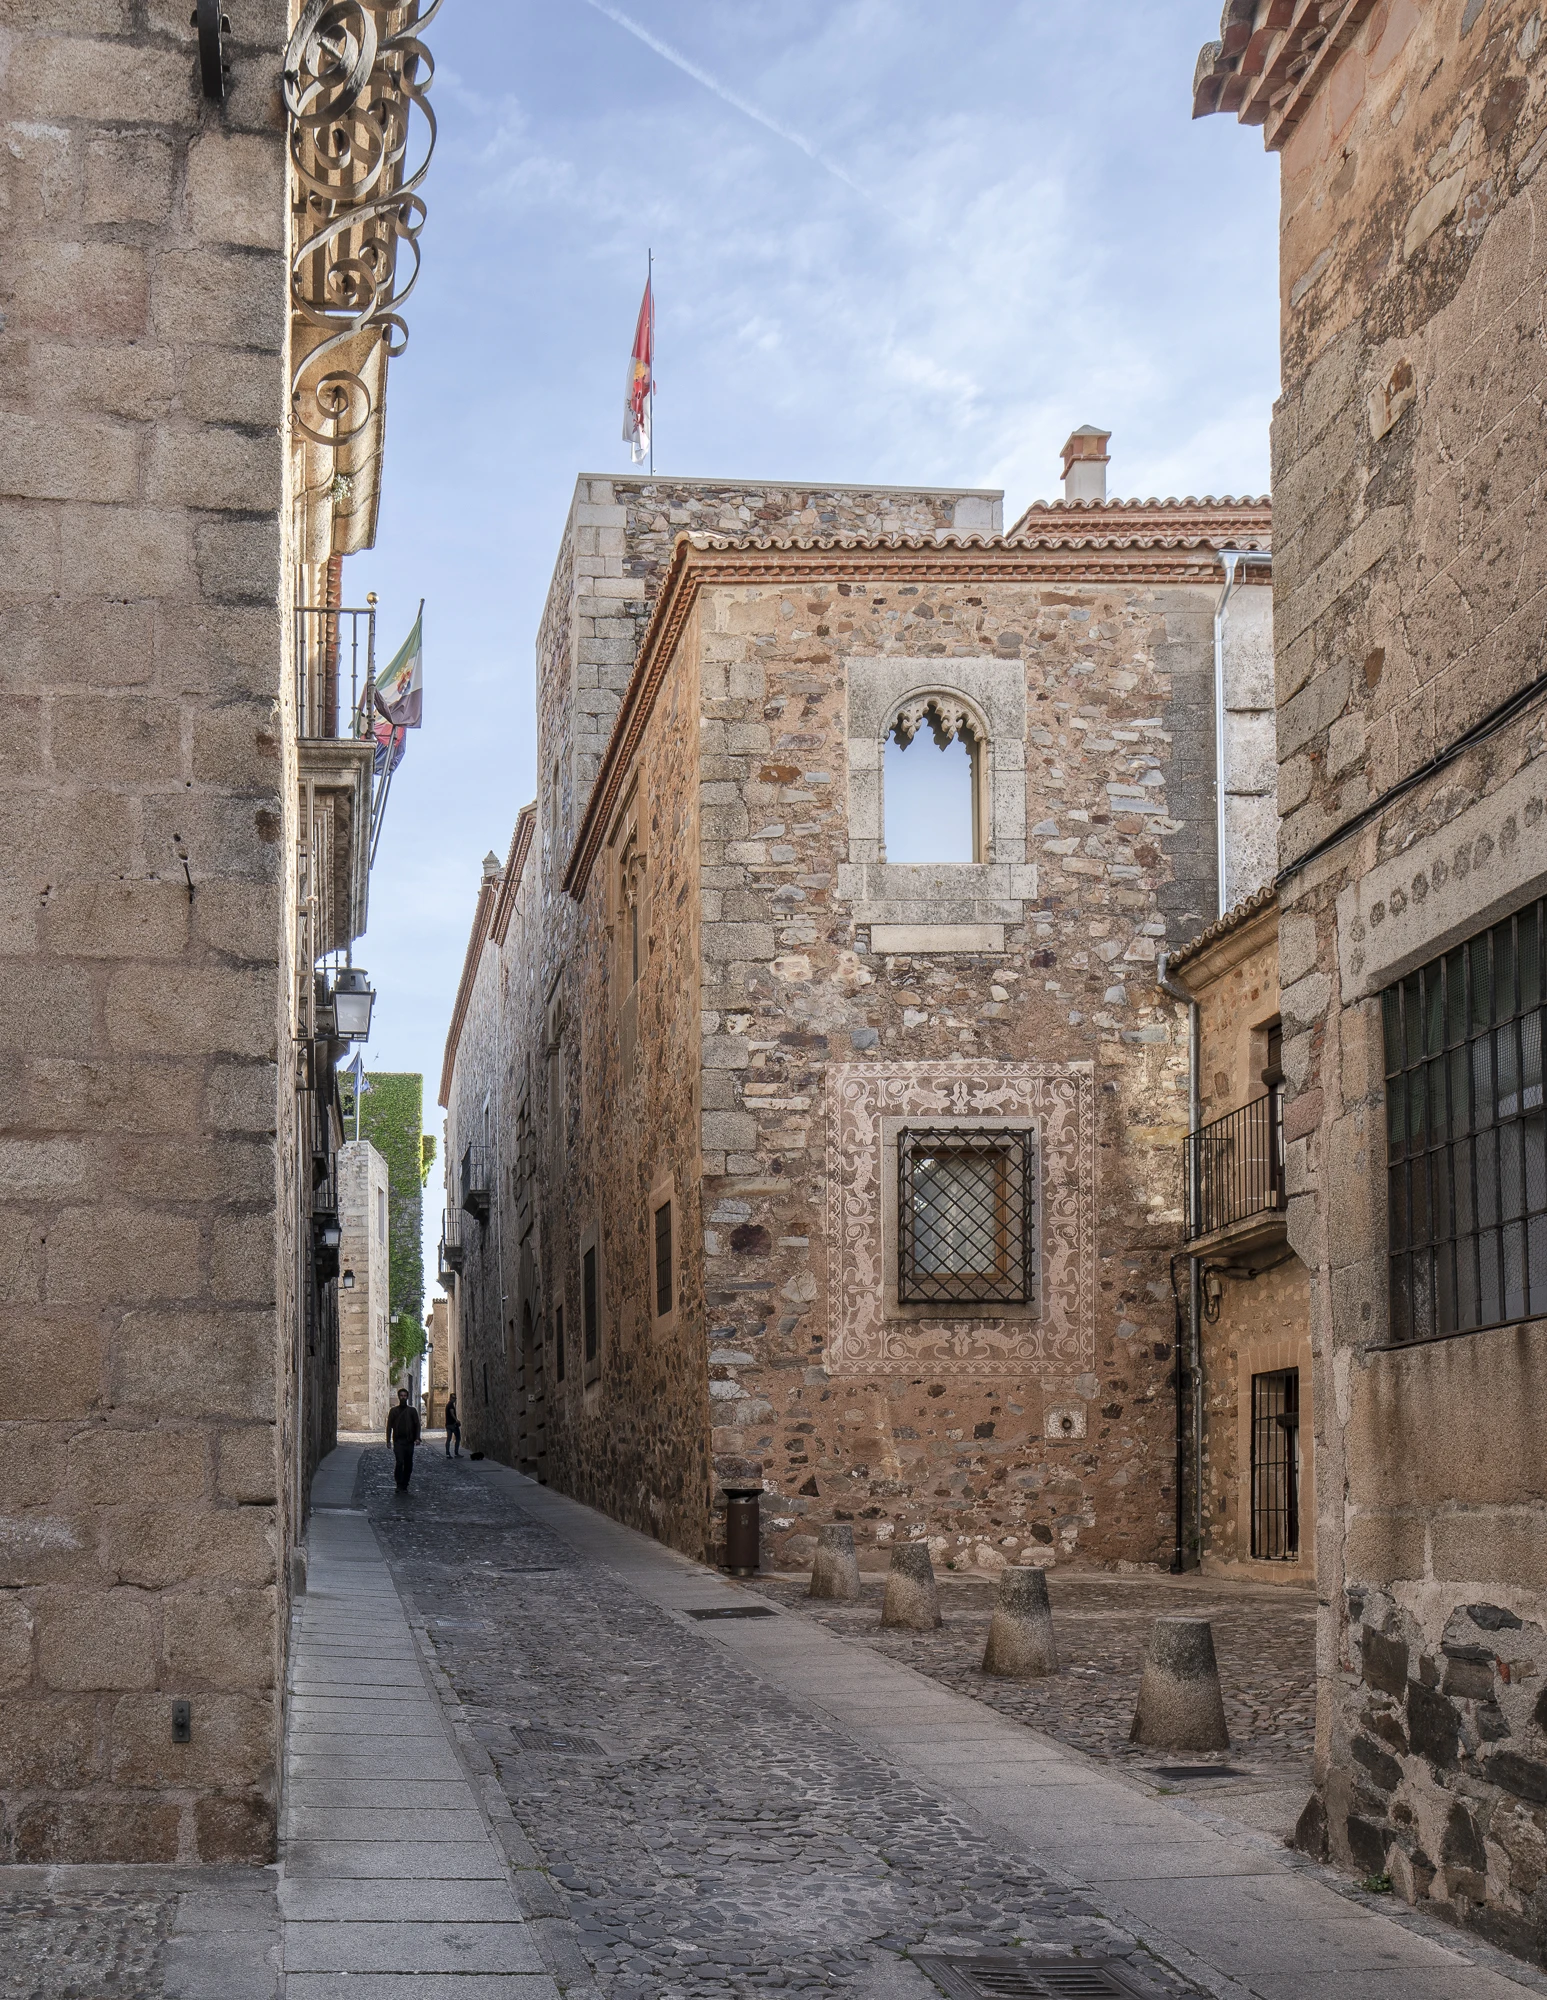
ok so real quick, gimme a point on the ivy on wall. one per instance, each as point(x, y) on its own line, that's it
point(392, 1118)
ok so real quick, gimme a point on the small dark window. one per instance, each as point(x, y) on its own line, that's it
point(1276, 1466)
point(1467, 1134)
point(589, 1305)
point(663, 1274)
point(558, 1343)
point(964, 1202)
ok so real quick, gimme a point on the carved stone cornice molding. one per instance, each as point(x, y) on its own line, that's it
point(1136, 555)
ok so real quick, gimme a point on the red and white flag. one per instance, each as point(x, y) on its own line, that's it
point(641, 381)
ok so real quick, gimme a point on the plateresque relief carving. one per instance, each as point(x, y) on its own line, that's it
point(862, 1338)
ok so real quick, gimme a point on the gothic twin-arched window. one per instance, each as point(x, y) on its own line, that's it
point(933, 778)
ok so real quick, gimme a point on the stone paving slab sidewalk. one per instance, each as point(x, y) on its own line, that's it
point(1264, 1637)
point(176, 1933)
point(721, 1806)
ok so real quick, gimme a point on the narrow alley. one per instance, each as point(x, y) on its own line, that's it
point(694, 1788)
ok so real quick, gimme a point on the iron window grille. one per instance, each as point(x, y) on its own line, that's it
point(1467, 1134)
point(663, 1271)
point(965, 1209)
point(1276, 1466)
point(590, 1307)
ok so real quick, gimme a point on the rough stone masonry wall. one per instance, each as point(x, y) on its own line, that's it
point(148, 829)
point(363, 1365)
point(1409, 603)
point(908, 1433)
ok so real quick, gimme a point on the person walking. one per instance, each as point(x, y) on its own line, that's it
point(402, 1435)
point(453, 1426)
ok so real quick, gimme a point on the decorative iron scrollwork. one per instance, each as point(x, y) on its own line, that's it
point(354, 73)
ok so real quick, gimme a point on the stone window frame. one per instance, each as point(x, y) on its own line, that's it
point(664, 1193)
point(628, 899)
point(941, 906)
point(891, 1129)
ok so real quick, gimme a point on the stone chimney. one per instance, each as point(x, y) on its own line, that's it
point(492, 869)
point(1085, 464)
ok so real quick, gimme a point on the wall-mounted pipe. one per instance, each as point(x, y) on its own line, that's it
point(1170, 986)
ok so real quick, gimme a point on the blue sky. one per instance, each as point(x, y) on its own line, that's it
point(894, 241)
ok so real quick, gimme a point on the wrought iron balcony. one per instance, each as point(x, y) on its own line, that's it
point(475, 1185)
point(1235, 1167)
point(335, 652)
point(450, 1244)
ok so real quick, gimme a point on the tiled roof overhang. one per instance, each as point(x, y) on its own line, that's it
point(1235, 918)
point(1103, 544)
point(1271, 58)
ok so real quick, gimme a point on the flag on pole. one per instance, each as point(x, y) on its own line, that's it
point(400, 699)
point(640, 384)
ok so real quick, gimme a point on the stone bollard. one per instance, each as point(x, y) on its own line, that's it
point(835, 1571)
point(1020, 1640)
point(1180, 1706)
point(298, 1572)
point(911, 1599)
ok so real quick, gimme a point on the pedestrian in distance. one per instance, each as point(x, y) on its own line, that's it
point(453, 1426)
point(402, 1435)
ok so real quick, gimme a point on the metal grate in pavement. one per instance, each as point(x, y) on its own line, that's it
point(1022, 1975)
point(556, 1743)
point(736, 1611)
point(1165, 1771)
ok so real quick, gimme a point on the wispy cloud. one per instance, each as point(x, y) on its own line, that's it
point(739, 103)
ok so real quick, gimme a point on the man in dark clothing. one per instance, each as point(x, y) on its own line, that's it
point(403, 1435)
point(453, 1426)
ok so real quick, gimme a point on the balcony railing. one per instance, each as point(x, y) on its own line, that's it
point(1235, 1167)
point(335, 670)
point(450, 1244)
point(475, 1184)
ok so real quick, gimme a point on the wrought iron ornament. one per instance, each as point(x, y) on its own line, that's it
point(351, 86)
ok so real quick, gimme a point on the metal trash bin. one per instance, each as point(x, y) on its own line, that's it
point(742, 1529)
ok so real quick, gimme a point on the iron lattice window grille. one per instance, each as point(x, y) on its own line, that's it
point(964, 1209)
point(1276, 1466)
point(1467, 1134)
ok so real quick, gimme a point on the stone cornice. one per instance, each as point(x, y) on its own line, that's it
point(1144, 543)
point(510, 880)
point(478, 937)
point(1271, 58)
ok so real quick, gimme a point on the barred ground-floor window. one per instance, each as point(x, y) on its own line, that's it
point(1276, 1466)
point(1467, 1134)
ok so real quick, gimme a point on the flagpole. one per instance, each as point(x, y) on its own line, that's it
point(650, 288)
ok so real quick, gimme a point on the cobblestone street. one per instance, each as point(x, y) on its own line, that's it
point(683, 1824)
point(708, 1836)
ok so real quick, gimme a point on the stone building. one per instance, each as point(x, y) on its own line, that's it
point(1249, 1476)
point(776, 1157)
point(438, 1371)
point(186, 821)
point(364, 1367)
point(1408, 463)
